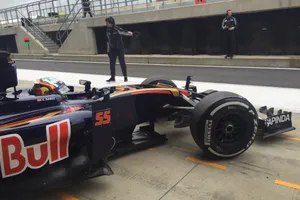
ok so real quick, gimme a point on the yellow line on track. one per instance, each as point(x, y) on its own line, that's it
point(215, 165)
point(287, 184)
point(290, 138)
point(66, 196)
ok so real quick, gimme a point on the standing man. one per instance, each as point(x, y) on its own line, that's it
point(86, 8)
point(229, 24)
point(115, 47)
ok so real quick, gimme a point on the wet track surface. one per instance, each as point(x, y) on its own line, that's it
point(245, 76)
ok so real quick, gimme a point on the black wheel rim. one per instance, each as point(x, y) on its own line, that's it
point(229, 129)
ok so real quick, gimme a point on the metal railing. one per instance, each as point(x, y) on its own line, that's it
point(57, 11)
point(72, 17)
point(59, 36)
point(10, 16)
point(35, 30)
point(47, 11)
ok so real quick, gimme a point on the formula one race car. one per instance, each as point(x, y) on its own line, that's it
point(51, 136)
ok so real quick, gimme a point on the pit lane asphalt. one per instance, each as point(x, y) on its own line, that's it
point(176, 171)
point(244, 76)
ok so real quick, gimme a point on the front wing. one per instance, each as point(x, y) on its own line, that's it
point(274, 123)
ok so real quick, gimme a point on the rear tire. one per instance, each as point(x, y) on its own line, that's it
point(159, 79)
point(224, 125)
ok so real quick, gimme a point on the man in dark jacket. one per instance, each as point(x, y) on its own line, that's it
point(86, 8)
point(115, 47)
point(229, 25)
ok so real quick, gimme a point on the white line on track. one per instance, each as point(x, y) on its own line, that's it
point(164, 65)
point(279, 98)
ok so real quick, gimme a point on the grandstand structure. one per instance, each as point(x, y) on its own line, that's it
point(63, 19)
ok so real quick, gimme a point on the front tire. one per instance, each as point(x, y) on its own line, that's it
point(224, 125)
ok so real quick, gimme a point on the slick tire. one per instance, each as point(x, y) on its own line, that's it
point(159, 79)
point(224, 125)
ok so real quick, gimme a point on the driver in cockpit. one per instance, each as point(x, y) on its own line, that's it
point(49, 86)
point(39, 90)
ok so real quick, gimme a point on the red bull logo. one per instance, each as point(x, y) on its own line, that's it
point(15, 158)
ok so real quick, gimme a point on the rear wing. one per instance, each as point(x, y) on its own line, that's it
point(274, 123)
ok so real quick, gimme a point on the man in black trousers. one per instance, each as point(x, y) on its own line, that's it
point(86, 8)
point(229, 25)
point(115, 47)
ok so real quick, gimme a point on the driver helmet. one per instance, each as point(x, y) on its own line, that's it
point(48, 86)
point(40, 90)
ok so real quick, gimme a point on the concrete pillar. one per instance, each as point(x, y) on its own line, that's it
point(81, 41)
point(36, 47)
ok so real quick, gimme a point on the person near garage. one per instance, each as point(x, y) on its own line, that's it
point(115, 47)
point(86, 8)
point(229, 25)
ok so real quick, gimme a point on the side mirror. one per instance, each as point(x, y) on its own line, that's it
point(87, 85)
point(193, 88)
point(71, 88)
point(83, 82)
point(188, 82)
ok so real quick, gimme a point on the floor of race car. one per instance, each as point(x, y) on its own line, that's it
point(270, 169)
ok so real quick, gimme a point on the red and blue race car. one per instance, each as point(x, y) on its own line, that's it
point(51, 136)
